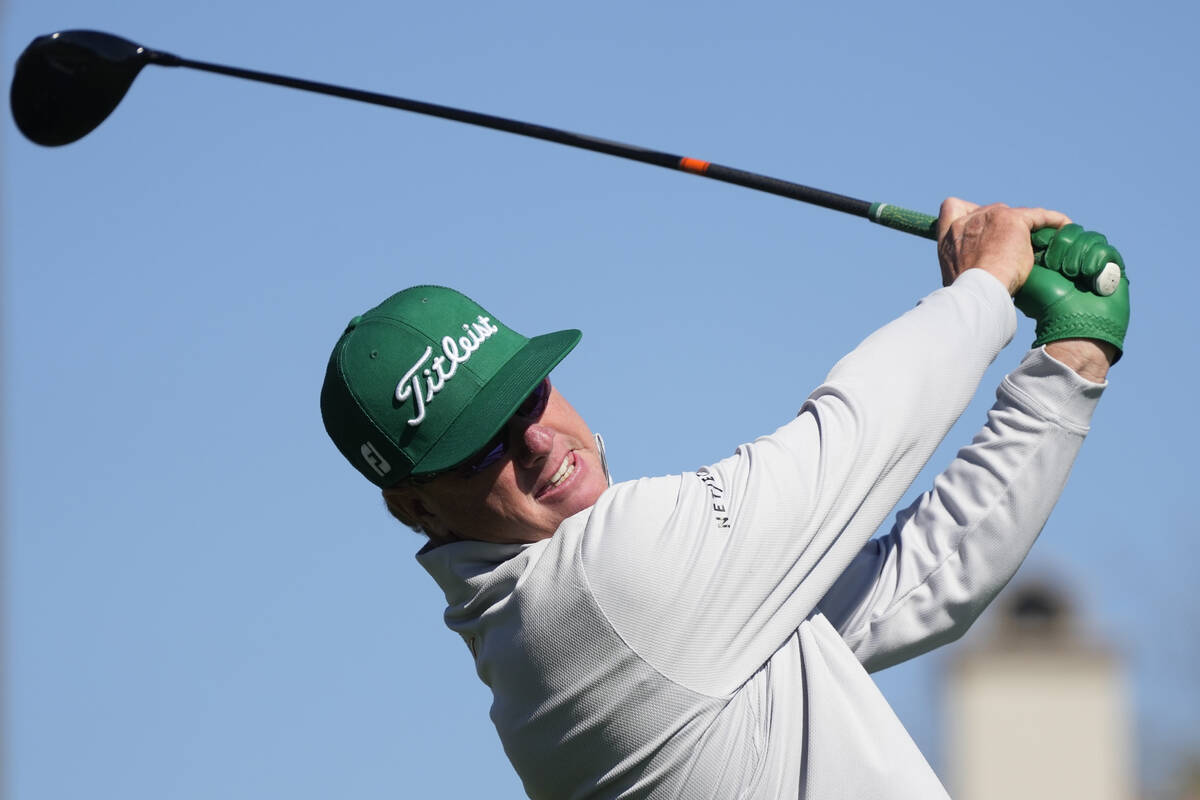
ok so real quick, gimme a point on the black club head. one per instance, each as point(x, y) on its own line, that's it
point(67, 83)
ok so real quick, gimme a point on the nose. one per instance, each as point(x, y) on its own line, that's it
point(537, 441)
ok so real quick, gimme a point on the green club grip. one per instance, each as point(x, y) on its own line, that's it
point(918, 224)
point(1088, 258)
point(902, 219)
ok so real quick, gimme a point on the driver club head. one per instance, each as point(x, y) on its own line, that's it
point(67, 83)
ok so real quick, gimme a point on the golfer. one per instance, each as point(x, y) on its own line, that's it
point(709, 634)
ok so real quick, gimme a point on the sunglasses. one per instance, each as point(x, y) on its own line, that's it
point(496, 448)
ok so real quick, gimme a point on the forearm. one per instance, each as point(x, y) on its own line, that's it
point(959, 544)
point(1089, 358)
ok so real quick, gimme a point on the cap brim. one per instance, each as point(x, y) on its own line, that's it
point(498, 400)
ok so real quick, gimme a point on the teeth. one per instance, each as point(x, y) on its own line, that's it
point(564, 471)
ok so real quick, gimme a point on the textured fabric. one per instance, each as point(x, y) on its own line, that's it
point(709, 635)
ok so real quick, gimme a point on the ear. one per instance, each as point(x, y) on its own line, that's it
point(404, 503)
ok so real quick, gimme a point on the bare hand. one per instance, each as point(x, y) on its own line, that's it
point(992, 238)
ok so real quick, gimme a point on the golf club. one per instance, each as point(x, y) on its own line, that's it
point(67, 83)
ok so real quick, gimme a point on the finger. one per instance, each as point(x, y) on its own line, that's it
point(1093, 254)
point(1059, 255)
point(953, 208)
point(1043, 218)
point(1099, 257)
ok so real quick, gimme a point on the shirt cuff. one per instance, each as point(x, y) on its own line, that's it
point(1053, 391)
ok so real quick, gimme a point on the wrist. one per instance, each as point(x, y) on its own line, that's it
point(1089, 358)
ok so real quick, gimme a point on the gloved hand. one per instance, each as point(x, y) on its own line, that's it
point(1061, 292)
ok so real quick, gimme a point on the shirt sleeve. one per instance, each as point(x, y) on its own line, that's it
point(957, 546)
point(706, 574)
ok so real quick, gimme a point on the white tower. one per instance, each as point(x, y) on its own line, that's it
point(1036, 710)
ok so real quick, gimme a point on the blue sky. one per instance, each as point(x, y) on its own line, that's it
point(203, 600)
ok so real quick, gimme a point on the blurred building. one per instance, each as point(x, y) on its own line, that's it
point(1036, 708)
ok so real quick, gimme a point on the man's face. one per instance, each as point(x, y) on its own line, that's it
point(551, 470)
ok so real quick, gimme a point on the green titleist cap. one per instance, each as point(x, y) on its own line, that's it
point(422, 381)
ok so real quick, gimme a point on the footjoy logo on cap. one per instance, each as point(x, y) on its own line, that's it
point(455, 352)
point(377, 462)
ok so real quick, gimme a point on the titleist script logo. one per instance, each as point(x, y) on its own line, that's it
point(438, 374)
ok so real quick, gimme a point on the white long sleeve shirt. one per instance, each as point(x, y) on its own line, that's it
point(710, 634)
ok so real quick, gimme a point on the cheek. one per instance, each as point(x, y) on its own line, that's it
point(502, 499)
point(598, 483)
point(562, 416)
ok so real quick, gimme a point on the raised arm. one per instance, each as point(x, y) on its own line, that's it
point(957, 546)
point(726, 563)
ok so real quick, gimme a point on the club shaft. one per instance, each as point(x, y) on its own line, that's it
point(890, 216)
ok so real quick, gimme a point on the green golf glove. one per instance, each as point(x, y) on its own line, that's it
point(1064, 292)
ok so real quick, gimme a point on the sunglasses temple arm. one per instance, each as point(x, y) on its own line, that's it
point(603, 457)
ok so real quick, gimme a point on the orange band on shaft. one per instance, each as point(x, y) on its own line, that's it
point(694, 165)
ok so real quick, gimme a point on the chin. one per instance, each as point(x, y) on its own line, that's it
point(586, 495)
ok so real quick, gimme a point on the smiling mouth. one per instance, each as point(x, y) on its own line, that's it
point(565, 470)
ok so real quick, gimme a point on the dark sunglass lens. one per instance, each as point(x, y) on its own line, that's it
point(487, 456)
point(494, 450)
point(535, 403)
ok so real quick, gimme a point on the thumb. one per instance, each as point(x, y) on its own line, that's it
point(953, 208)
